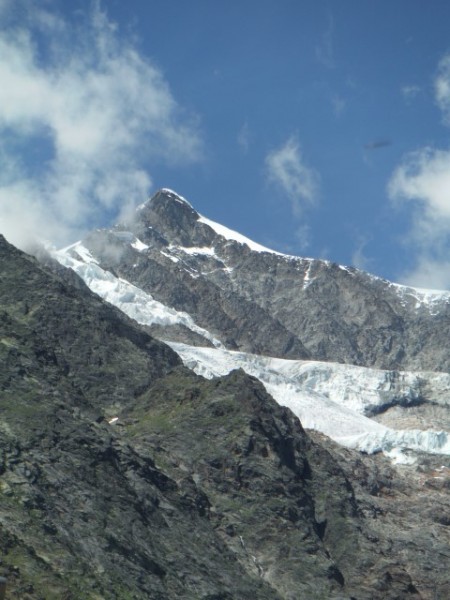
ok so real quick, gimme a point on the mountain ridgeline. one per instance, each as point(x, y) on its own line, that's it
point(124, 475)
point(269, 303)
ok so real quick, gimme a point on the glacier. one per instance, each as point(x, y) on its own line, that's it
point(334, 398)
point(338, 400)
point(133, 301)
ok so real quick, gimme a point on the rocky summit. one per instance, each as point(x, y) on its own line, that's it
point(126, 474)
point(256, 300)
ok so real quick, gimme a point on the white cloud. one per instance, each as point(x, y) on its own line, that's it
point(325, 49)
point(101, 111)
point(442, 87)
point(424, 179)
point(422, 184)
point(286, 169)
point(359, 258)
point(430, 273)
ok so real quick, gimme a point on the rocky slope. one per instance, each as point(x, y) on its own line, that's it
point(255, 300)
point(124, 475)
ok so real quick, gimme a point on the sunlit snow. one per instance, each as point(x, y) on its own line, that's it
point(432, 299)
point(133, 301)
point(138, 245)
point(229, 234)
point(193, 250)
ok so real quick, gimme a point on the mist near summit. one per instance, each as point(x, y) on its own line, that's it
point(84, 117)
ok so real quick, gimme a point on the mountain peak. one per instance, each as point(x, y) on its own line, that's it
point(176, 214)
point(169, 200)
point(165, 201)
point(168, 193)
point(168, 213)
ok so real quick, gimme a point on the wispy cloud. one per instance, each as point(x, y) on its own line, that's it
point(410, 92)
point(243, 138)
point(422, 182)
point(325, 48)
point(359, 258)
point(339, 104)
point(100, 113)
point(442, 88)
point(287, 170)
point(303, 236)
point(429, 273)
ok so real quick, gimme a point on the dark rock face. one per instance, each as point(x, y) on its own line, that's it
point(273, 304)
point(83, 514)
point(101, 353)
point(310, 518)
point(200, 489)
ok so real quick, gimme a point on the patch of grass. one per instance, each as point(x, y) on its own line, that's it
point(8, 342)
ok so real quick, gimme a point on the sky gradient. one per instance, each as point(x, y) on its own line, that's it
point(316, 128)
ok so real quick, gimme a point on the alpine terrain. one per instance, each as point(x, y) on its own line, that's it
point(187, 414)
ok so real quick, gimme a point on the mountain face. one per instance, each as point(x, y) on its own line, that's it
point(192, 281)
point(267, 303)
point(124, 474)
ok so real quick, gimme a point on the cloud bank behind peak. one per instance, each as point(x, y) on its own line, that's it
point(83, 119)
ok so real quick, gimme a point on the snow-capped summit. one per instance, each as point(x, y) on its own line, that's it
point(196, 282)
point(269, 302)
point(176, 217)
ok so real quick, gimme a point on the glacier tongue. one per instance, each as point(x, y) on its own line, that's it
point(334, 398)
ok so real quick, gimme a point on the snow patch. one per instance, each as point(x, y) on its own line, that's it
point(434, 300)
point(194, 250)
point(307, 278)
point(139, 246)
point(169, 256)
point(400, 457)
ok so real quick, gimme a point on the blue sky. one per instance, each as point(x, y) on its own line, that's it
point(315, 128)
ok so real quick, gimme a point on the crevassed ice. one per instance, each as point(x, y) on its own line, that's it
point(333, 398)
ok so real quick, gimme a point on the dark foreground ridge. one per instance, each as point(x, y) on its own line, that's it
point(201, 490)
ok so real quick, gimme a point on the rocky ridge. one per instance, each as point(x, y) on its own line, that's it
point(256, 300)
point(124, 475)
